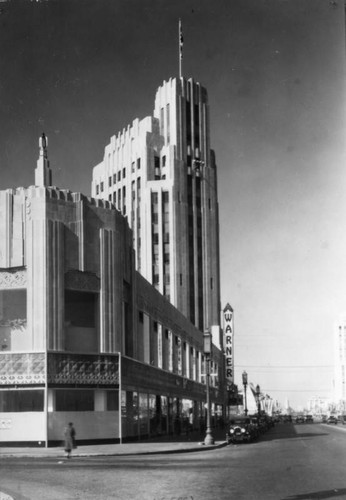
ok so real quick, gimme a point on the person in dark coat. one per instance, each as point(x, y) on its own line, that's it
point(69, 436)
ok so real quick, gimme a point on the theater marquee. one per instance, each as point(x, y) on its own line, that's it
point(228, 343)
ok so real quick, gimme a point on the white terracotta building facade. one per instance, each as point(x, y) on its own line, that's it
point(84, 337)
point(160, 173)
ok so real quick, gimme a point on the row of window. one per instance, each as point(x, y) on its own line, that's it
point(135, 406)
point(118, 198)
point(121, 174)
point(156, 242)
point(172, 353)
point(116, 177)
point(65, 400)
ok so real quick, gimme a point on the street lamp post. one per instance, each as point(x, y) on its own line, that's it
point(207, 352)
point(258, 392)
point(244, 375)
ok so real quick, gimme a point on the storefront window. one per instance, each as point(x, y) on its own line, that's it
point(186, 412)
point(176, 416)
point(112, 401)
point(164, 414)
point(21, 400)
point(201, 414)
point(154, 415)
point(129, 413)
point(219, 416)
point(143, 415)
point(74, 400)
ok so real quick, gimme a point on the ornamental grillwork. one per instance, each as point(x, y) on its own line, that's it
point(22, 368)
point(83, 369)
point(13, 278)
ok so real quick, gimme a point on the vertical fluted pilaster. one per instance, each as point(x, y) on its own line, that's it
point(6, 221)
point(110, 301)
point(37, 312)
point(55, 284)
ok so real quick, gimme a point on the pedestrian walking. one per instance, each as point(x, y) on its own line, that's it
point(70, 437)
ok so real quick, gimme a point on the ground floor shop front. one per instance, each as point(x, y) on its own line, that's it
point(109, 398)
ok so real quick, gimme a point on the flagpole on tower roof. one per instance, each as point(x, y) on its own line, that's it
point(181, 43)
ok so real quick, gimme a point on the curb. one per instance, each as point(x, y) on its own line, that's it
point(155, 452)
point(201, 447)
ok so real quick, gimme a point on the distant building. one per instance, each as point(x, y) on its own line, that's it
point(86, 338)
point(318, 405)
point(340, 359)
point(160, 173)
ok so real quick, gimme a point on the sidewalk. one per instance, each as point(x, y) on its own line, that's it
point(181, 444)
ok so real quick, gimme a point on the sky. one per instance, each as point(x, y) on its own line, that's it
point(82, 70)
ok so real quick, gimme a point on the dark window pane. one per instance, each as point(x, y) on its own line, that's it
point(112, 401)
point(80, 308)
point(17, 401)
point(74, 400)
point(12, 305)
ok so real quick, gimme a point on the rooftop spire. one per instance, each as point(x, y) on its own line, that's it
point(43, 174)
point(43, 143)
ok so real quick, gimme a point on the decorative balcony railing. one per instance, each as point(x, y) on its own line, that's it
point(22, 368)
point(83, 369)
point(62, 368)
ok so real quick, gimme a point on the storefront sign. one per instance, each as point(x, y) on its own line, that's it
point(228, 343)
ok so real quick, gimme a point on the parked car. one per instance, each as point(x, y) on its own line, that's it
point(300, 419)
point(332, 420)
point(309, 419)
point(239, 431)
point(254, 427)
point(269, 421)
point(342, 419)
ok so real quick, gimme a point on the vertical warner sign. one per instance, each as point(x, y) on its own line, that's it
point(228, 329)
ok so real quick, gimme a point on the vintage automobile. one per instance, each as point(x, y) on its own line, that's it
point(332, 420)
point(255, 428)
point(267, 422)
point(309, 419)
point(239, 431)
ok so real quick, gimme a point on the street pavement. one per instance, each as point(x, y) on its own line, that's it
point(170, 444)
point(289, 462)
point(176, 444)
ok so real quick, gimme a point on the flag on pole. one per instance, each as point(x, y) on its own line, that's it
point(181, 40)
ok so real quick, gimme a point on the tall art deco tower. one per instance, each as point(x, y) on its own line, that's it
point(161, 174)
